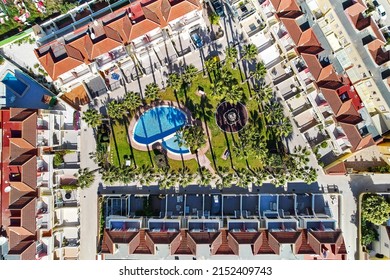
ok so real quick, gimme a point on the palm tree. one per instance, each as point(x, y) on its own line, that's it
point(167, 180)
point(185, 177)
point(263, 94)
point(145, 175)
point(214, 19)
point(274, 112)
point(283, 129)
point(235, 94)
point(211, 65)
point(192, 137)
point(110, 175)
point(84, 177)
point(259, 175)
point(249, 52)
point(127, 175)
point(309, 175)
point(219, 89)
point(175, 81)
point(225, 178)
point(92, 117)
point(189, 74)
point(132, 101)
point(205, 177)
point(151, 92)
point(231, 55)
point(116, 110)
point(259, 72)
point(244, 178)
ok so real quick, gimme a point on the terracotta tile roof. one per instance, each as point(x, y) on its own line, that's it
point(319, 72)
point(303, 246)
point(245, 237)
point(308, 38)
point(338, 106)
point(377, 52)
point(181, 247)
point(285, 5)
point(26, 206)
point(162, 237)
point(78, 42)
point(104, 40)
point(28, 179)
point(317, 239)
point(172, 10)
point(339, 168)
point(261, 245)
point(293, 28)
point(25, 249)
point(29, 129)
point(58, 59)
point(122, 24)
point(141, 28)
point(357, 141)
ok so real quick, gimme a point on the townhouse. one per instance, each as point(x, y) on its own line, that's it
point(328, 99)
point(214, 226)
point(133, 40)
point(40, 155)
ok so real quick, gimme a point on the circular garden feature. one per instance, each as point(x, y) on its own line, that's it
point(231, 117)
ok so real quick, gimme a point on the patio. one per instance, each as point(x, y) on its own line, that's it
point(77, 97)
point(174, 205)
point(250, 205)
point(304, 205)
point(182, 43)
point(149, 61)
point(96, 87)
point(286, 206)
point(194, 205)
point(113, 77)
point(130, 70)
point(231, 206)
point(268, 204)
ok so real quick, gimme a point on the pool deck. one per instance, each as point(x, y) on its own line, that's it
point(143, 147)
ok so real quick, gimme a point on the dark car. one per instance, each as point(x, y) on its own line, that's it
point(218, 7)
point(197, 40)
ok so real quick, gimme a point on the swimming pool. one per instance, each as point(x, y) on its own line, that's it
point(172, 145)
point(13, 83)
point(160, 124)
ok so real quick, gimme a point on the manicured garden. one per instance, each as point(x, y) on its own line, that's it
point(253, 155)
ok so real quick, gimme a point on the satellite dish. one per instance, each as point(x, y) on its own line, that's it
point(93, 36)
point(7, 189)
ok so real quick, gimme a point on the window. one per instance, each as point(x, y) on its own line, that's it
point(386, 245)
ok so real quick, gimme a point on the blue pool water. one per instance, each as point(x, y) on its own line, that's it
point(13, 83)
point(172, 145)
point(158, 123)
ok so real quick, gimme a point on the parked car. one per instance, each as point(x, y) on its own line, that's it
point(218, 7)
point(375, 3)
point(197, 40)
point(381, 11)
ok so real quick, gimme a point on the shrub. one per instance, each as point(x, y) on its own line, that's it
point(161, 161)
point(324, 144)
point(2, 60)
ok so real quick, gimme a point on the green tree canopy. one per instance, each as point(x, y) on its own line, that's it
point(92, 117)
point(85, 178)
point(192, 137)
point(132, 101)
point(152, 90)
point(116, 110)
point(375, 209)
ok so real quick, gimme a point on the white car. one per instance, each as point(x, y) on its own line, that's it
point(381, 11)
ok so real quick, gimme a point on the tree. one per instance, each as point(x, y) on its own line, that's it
point(185, 177)
point(369, 234)
point(211, 65)
point(225, 178)
point(127, 175)
point(249, 52)
point(110, 175)
point(284, 128)
point(145, 175)
point(192, 137)
point(235, 94)
point(189, 74)
point(2, 60)
point(84, 177)
point(205, 177)
point(175, 81)
point(375, 209)
point(92, 118)
point(132, 101)
point(151, 92)
point(214, 18)
point(116, 110)
point(167, 180)
point(263, 94)
point(231, 55)
point(244, 178)
point(259, 72)
point(219, 89)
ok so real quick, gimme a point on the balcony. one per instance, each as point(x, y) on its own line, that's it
point(108, 59)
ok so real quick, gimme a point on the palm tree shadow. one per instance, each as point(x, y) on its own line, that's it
point(229, 148)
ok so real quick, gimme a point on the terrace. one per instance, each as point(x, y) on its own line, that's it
point(268, 205)
point(252, 25)
point(96, 87)
point(149, 61)
point(113, 77)
point(241, 9)
point(250, 205)
point(174, 205)
point(182, 43)
point(194, 205)
point(284, 225)
point(204, 225)
point(286, 206)
point(66, 198)
point(108, 59)
point(243, 225)
point(304, 205)
point(231, 206)
point(282, 36)
point(163, 225)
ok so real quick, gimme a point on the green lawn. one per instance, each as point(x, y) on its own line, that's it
point(219, 140)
